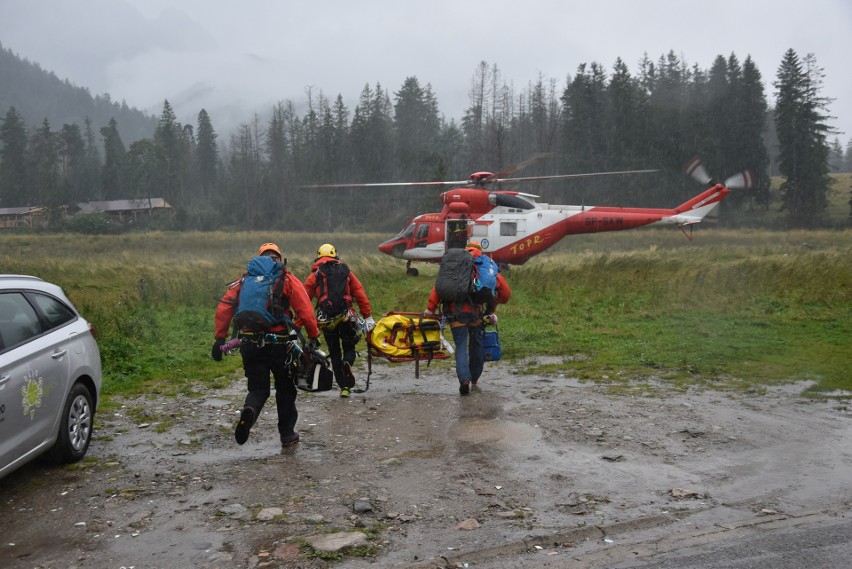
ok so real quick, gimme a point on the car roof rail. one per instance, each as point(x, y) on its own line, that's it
point(20, 277)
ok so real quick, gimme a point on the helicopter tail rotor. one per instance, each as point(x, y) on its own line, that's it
point(744, 180)
point(696, 170)
point(741, 181)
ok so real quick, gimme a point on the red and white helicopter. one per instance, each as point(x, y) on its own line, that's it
point(513, 227)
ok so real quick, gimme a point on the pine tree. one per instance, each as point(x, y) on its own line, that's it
point(474, 119)
point(584, 104)
point(835, 157)
point(342, 149)
point(141, 169)
point(750, 109)
point(803, 150)
point(167, 139)
point(279, 167)
point(71, 149)
point(207, 155)
point(245, 172)
point(14, 182)
point(90, 183)
point(112, 176)
point(415, 132)
point(625, 129)
point(44, 173)
point(715, 140)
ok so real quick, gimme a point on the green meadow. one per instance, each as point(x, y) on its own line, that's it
point(730, 309)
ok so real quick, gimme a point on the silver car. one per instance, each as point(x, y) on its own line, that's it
point(50, 374)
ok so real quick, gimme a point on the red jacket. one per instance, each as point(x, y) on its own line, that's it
point(301, 309)
point(354, 287)
point(502, 293)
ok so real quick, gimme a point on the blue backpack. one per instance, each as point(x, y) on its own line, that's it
point(262, 304)
point(486, 273)
point(484, 280)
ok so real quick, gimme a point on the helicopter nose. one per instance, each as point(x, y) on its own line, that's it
point(393, 247)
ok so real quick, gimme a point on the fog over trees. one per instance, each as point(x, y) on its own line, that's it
point(657, 116)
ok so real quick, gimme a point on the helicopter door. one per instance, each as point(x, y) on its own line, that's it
point(456, 233)
point(421, 238)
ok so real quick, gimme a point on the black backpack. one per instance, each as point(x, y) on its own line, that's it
point(333, 296)
point(455, 276)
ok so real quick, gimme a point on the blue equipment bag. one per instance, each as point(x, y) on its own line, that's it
point(491, 350)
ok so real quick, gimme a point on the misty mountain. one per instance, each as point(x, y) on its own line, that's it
point(38, 94)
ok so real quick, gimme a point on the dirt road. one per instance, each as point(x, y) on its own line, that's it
point(526, 471)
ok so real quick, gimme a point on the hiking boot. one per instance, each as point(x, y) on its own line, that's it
point(289, 440)
point(473, 382)
point(241, 433)
point(347, 371)
point(349, 379)
point(464, 387)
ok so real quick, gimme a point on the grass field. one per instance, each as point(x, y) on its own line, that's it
point(729, 309)
point(837, 202)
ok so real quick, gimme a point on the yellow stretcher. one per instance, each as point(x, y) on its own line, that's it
point(406, 337)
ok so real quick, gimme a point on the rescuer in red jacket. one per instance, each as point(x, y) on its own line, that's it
point(336, 315)
point(466, 320)
point(265, 352)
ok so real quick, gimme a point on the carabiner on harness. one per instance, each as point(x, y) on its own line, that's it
point(293, 355)
point(329, 323)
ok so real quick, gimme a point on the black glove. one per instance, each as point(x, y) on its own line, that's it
point(216, 351)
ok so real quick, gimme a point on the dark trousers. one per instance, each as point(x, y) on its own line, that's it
point(341, 348)
point(258, 363)
point(469, 362)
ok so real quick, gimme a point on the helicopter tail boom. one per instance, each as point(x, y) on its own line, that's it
point(700, 206)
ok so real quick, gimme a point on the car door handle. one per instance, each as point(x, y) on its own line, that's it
point(4, 378)
point(58, 354)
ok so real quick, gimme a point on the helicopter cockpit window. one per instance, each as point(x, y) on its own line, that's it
point(508, 228)
point(514, 201)
point(423, 231)
point(408, 231)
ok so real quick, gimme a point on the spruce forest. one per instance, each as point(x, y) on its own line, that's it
point(657, 116)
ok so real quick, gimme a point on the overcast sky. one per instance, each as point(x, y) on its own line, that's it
point(235, 58)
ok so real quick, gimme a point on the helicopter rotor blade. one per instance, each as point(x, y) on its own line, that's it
point(482, 182)
point(563, 176)
point(742, 181)
point(512, 169)
point(695, 169)
point(386, 184)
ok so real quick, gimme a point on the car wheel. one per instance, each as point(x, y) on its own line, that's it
point(75, 426)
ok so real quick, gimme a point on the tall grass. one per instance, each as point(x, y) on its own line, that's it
point(741, 307)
